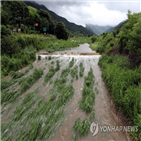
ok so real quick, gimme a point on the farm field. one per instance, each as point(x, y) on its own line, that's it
point(57, 98)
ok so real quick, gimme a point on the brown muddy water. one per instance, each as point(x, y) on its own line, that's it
point(104, 114)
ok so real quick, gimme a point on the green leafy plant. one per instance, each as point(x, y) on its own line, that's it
point(81, 69)
point(88, 95)
point(71, 63)
point(84, 127)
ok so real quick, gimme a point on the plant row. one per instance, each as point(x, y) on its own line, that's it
point(24, 84)
point(88, 95)
point(51, 72)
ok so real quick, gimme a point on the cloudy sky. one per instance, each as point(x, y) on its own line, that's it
point(100, 12)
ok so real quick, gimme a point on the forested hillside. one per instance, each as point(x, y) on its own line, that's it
point(72, 27)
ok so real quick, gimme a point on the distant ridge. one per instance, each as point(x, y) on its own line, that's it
point(98, 29)
point(70, 26)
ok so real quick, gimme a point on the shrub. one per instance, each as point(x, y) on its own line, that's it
point(93, 39)
point(5, 31)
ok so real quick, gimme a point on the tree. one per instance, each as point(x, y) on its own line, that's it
point(134, 42)
point(33, 18)
point(51, 27)
point(43, 23)
point(44, 14)
point(93, 39)
point(15, 10)
point(60, 31)
point(4, 17)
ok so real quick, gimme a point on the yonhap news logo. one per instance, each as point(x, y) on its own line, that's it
point(95, 128)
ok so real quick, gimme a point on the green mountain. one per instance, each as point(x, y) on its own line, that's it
point(72, 27)
point(116, 27)
point(97, 29)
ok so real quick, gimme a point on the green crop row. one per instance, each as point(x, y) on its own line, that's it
point(81, 69)
point(25, 84)
point(14, 75)
point(88, 95)
point(74, 72)
point(51, 72)
point(80, 127)
point(71, 63)
point(36, 118)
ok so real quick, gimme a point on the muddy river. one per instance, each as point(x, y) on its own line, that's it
point(104, 113)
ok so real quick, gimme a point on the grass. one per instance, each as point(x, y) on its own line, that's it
point(125, 86)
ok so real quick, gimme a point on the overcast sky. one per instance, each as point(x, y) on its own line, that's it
point(84, 12)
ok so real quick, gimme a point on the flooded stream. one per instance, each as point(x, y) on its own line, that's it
point(103, 108)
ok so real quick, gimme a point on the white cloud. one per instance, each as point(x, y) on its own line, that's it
point(98, 13)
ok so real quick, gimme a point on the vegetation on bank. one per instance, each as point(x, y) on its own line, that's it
point(124, 40)
point(125, 87)
point(121, 67)
point(19, 50)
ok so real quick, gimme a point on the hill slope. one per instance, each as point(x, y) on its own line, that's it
point(70, 26)
point(116, 27)
point(97, 29)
